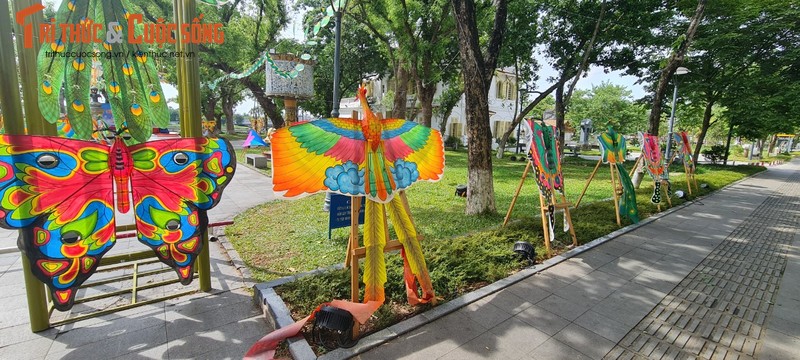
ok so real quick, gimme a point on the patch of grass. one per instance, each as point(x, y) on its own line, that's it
point(463, 253)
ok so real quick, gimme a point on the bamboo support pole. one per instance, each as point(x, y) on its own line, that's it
point(569, 218)
point(588, 181)
point(615, 184)
point(190, 115)
point(12, 105)
point(355, 207)
point(516, 193)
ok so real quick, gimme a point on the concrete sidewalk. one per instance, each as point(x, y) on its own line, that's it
point(219, 324)
point(706, 281)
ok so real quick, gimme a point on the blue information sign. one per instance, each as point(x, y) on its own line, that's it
point(339, 215)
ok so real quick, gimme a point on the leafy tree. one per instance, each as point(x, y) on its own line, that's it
point(607, 105)
point(478, 68)
point(419, 39)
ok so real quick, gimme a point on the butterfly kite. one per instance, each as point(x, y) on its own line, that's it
point(62, 194)
point(131, 81)
point(545, 155)
point(614, 149)
point(651, 152)
point(371, 157)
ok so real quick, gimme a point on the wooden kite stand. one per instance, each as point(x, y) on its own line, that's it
point(615, 183)
point(689, 175)
point(543, 207)
point(356, 252)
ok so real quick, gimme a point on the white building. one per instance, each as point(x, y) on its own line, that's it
point(502, 96)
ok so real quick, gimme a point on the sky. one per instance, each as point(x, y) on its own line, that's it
point(596, 75)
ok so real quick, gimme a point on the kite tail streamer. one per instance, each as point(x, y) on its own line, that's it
point(265, 347)
point(627, 202)
point(415, 268)
point(551, 221)
point(656, 199)
point(374, 242)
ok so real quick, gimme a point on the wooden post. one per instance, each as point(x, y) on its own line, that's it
point(615, 183)
point(516, 194)
point(588, 181)
point(666, 192)
point(569, 219)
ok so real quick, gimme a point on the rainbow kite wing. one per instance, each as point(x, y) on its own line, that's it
point(415, 152)
point(59, 192)
point(174, 182)
point(331, 155)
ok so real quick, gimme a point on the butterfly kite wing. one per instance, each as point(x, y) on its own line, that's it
point(174, 182)
point(60, 193)
point(319, 155)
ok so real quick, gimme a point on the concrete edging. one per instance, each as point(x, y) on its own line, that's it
point(279, 316)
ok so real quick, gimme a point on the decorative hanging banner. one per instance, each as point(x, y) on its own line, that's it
point(312, 35)
point(61, 194)
point(614, 149)
point(651, 152)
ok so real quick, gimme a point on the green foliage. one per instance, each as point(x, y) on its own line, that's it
point(452, 142)
point(715, 153)
point(607, 105)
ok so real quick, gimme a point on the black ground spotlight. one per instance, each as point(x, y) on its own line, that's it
point(461, 190)
point(333, 328)
point(526, 251)
point(680, 194)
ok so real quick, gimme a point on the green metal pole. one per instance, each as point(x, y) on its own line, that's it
point(27, 70)
point(189, 102)
point(11, 103)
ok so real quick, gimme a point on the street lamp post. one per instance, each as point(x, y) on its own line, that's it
point(679, 71)
point(337, 7)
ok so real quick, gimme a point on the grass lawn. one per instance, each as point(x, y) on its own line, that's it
point(463, 252)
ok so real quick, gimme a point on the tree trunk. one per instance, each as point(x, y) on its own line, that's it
point(425, 96)
point(703, 130)
point(400, 91)
point(477, 72)
point(728, 142)
point(560, 110)
point(210, 107)
point(266, 103)
point(227, 109)
point(672, 64)
point(772, 144)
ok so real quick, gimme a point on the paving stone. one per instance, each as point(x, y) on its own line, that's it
point(543, 319)
point(585, 341)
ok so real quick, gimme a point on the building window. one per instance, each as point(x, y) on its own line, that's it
point(500, 89)
point(500, 127)
point(456, 128)
point(511, 91)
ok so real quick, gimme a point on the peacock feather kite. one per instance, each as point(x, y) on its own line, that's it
point(651, 152)
point(614, 149)
point(545, 155)
point(371, 157)
point(129, 75)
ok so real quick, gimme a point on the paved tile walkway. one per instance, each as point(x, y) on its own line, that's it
point(704, 281)
point(219, 324)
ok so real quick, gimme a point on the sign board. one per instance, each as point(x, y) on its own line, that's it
point(339, 214)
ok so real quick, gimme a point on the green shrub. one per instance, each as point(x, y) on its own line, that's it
point(715, 153)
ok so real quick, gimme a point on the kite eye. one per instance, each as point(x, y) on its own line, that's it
point(47, 161)
point(126, 136)
point(70, 237)
point(173, 225)
point(180, 158)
